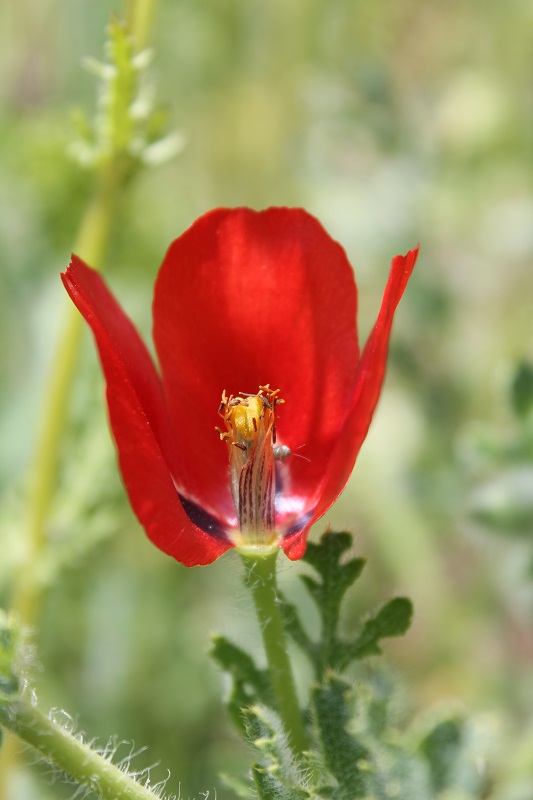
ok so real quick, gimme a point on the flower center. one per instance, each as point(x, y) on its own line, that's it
point(250, 433)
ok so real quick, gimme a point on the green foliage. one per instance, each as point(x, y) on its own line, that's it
point(442, 748)
point(455, 750)
point(127, 131)
point(364, 748)
point(375, 754)
point(278, 775)
point(10, 680)
point(392, 619)
point(501, 499)
point(361, 746)
point(392, 129)
point(522, 389)
point(345, 756)
point(503, 502)
point(331, 651)
point(268, 788)
point(250, 685)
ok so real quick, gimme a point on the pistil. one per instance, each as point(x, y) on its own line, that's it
point(250, 434)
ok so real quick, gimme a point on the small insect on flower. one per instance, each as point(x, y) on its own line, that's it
point(242, 297)
point(281, 452)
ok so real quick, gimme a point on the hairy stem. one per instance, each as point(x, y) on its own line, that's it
point(74, 757)
point(260, 577)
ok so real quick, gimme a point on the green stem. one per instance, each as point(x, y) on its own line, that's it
point(59, 747)
point(140, 20)
point(90, 244)
point(260, 577)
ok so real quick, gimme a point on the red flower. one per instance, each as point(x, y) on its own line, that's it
point(243, 300)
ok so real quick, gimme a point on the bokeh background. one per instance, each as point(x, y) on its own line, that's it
point(394, 123)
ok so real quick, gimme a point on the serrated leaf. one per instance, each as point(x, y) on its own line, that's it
point(278, 774)
point(325, 558)
point(330, 547)
point(269, 788)
point(294, 628)
point(393, 619)
point(336, 577)
point(250, 685)
point(345, 757)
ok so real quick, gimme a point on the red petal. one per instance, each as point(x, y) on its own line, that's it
point(367, 388)
point(139, 422)
point(246, 298)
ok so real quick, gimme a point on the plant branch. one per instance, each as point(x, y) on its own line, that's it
point(90, 244)
point(59, 747)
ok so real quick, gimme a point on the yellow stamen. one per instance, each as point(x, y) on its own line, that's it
point(245, 417)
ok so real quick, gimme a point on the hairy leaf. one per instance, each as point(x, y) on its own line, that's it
point(250, 685)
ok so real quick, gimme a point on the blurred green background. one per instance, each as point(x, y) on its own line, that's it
point(394, 123)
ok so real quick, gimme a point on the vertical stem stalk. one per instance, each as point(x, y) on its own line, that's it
point(140, 20)
point(260, 577)
point(91, 244)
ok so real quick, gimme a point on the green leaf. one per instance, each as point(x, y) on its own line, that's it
point(9, 656)
point(504, 504)
point(345, 757)
point(328, 593)
point(337, 577)
point(331, 651)
point(442, 747)
point(393, 619)
point(522, 389)
point(456, 749)
point(250, 685)
point(278, 775)
point(269, 788)
point(294, 628)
